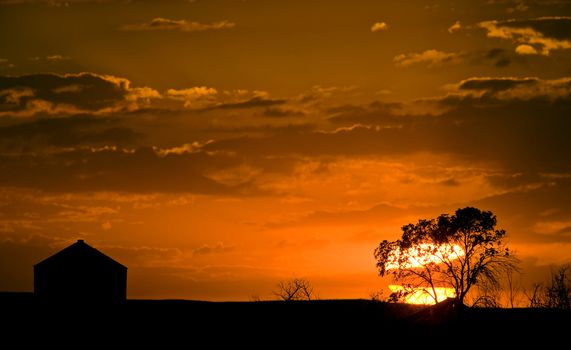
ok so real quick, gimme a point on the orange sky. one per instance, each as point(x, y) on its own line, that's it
point(217, 147)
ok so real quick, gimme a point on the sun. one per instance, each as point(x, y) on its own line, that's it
point(418, 257)
point(424, 254)
point(424, 295)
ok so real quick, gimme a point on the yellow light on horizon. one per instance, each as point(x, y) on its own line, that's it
point(423, 254)
point(424, 295)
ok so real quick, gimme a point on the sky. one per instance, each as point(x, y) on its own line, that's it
point(217, 147)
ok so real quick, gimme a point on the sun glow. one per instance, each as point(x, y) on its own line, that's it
point(419, 256)
point(424, 296)
point(423, 254)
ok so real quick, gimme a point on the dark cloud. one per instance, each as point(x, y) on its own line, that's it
point(277, 112)
point(178, 25)
point(502, 62)
point(495, 84)
point(142, 171)
point(377, 113)
point(516, 123)
point(450, 182)
point(254, 102)
point(495, 53)
point(71, 93)
point(534, 36)
point(514, 180)
point(66, 132)
point(87, 91)
point(356, 140)
point(232, 131)
point(509, 90)
point(536, 215)
point(500, 57)
point(551, 27)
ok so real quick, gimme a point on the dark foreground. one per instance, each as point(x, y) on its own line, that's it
point(271, 324)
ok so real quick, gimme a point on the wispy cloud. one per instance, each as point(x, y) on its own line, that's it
point(195, 97)
point(182, 25)
point(213, 249)
point(55, 58)
point(379, 26)
point(432, 58)
point(455, 27)
point(208, 98)
point(525, 49)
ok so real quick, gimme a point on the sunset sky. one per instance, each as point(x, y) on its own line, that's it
point(216, 147)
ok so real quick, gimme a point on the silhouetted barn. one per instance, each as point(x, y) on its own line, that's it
point(80, 273)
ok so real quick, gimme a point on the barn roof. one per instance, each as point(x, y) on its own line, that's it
point(80, 251)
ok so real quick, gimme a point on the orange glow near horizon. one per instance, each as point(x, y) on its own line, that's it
point(423, 295)
point(416, 257)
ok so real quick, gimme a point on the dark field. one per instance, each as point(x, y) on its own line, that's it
point(205, 325)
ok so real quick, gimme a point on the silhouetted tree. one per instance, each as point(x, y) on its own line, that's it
point(536, 296)
point(513, 286)
point(255, 298)
point(295, 289)
point(454, 251)
point(508, 293)
point(377, 295)
point(487, 295)
point(558, 294)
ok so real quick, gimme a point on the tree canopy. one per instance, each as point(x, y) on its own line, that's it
point(452, 251)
